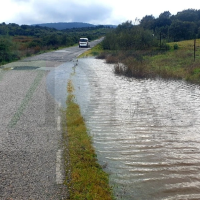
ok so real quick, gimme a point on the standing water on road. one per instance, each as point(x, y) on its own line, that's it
point(146, 132)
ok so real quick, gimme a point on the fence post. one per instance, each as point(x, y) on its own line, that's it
point(194, 49)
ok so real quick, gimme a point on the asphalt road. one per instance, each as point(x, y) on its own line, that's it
point(30, 133)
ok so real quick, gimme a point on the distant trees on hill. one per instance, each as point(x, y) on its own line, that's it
point(18, 41)
point(65, 25)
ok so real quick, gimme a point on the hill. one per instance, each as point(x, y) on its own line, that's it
point(67, 25)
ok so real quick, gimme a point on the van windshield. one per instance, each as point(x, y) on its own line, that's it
point(83, 40)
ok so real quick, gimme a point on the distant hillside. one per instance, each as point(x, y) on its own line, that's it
point(67, 25)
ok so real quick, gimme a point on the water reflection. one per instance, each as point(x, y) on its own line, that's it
point(145, 132)
point(58, 78)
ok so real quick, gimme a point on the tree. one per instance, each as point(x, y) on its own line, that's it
point(7, 50)
point(163, 20)
point(147, 22)
point(165, 15)
point(129, 38)
point(126, 26)
point(52, 40)
point(180, 30)
point(190, 15)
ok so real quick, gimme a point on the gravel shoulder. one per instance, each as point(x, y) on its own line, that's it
point(29, 137)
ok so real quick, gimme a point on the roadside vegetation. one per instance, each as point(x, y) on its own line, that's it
point(148, 48)
point(85, 177)
point(176, 63)
point(166, 47)
point(95, 51)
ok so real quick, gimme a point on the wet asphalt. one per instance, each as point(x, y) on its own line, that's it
point(31, 164)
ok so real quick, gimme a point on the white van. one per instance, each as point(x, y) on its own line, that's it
point(84, 42)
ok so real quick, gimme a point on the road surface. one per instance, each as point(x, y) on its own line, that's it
point(30, 133)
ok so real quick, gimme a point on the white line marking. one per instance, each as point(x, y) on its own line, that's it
point(58, 123)
point(59, 175)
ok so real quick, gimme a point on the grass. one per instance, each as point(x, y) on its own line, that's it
point(176, 63)
point(85, 179)
point(95, 51)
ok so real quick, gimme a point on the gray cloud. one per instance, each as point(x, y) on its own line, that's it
point(64, 11)
point(20, 1)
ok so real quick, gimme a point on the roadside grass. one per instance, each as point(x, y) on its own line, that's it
point(95, 51)
point(175, 63)
point(178, 63)
point(85, 177)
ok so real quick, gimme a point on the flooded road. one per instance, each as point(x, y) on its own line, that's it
point(146, 132)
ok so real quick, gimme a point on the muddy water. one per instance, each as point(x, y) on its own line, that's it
point(146, 132)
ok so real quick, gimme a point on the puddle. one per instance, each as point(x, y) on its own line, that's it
point(62, 51)
point(24, 68)
point(57, 80)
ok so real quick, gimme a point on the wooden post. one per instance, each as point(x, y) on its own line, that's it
point(160, 40)
point(194, 49)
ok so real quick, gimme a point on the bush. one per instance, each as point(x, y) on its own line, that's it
point(102, 56)
point(175, 46)
point(165, 46)
point(36, 49)
point(111, 59)
point(129, 37)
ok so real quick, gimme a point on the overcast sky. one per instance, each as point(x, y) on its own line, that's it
point(90, 11)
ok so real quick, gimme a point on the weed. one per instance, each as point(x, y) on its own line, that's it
point(111, 59)
point(102, 55)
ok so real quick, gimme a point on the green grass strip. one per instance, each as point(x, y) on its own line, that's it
point(94, 51)
point(86, 179)
point(26, 100)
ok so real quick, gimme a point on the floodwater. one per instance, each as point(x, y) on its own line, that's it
point(146, 132)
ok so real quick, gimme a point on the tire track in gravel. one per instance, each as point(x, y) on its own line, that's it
point(26, 99)
point(2, 72)
point(29, 138)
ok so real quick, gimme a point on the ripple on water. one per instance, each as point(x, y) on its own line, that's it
point(146, 132)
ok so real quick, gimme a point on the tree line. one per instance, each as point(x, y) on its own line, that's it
point(184, 25)
point(155, 32)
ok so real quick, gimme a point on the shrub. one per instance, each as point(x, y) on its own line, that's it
point(165, 46)
point(111, 59)
point(175, 46)
point(36, 49)
point(129, 37)
point(102, 56)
